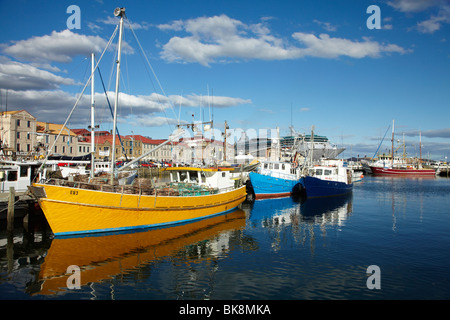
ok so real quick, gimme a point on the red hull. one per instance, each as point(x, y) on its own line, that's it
point(272, 195)
point(408, 172)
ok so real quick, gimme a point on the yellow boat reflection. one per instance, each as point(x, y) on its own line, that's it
point(103, 257)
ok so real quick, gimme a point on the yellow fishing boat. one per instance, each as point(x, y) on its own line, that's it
point(74, 207)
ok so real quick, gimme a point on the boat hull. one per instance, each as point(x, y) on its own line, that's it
point(76, 211)
point(404, 172)
point(266, 187)
point(325, 188)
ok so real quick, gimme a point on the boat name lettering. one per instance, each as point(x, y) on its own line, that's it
point(74, 192)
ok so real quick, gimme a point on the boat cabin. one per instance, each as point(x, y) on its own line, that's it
point(17, 174)
point(277, 169)
point(213, 178)
point(332, 170)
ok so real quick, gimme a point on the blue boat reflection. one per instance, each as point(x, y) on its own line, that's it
point(333, 210)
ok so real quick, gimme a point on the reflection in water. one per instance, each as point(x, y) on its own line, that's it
point(106, 256)
point(299, 216)
point(271, 249)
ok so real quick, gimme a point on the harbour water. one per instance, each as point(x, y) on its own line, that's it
point(279, 249)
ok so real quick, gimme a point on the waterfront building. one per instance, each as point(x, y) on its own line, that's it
point(66, 144)
point(18, 133)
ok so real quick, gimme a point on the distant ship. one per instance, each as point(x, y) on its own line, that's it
point(319, 145)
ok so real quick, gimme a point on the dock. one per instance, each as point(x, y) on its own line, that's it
point(443, 170)
point(20, 204)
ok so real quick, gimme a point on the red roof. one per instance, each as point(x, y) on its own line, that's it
point(145, 139)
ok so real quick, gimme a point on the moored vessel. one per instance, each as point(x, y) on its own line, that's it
point(74, 207)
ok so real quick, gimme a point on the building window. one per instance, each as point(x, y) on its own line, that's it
point(28, 136)
point(56, 149)
point(29, 124)
point(18, 147)
point(18, 135)
point(64, 138)
point(18, 122)
point(71, 150)
point(46, 139)
point(63, 149)
point(28, 147)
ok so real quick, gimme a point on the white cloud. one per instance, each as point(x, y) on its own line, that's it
point(435, 21)
point(18, 76)
point(326, 25)
point(216, 101)
point(221, 38)
point(156, 121)
point(325, 46)
point(58, 47)
point(56, 105)
point(134, 25)
point(413, 5)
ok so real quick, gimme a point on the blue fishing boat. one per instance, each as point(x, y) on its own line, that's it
point(332, 178)
point(275, 180)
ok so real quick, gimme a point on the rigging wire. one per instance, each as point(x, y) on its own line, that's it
point(154, 74)
point(76, 103)
point(112, 113)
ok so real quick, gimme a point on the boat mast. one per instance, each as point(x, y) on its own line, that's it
point(392, 160)
point(420, 148)
point(92, 116)
point(118, 12)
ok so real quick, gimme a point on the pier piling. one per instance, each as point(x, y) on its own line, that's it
point(10, 216)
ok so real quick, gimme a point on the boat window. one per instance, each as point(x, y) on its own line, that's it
point(203, 177)
point(23, 171)
point(265, 165)
point(282, 166)
point(327, 172)
point(276, 166)
point(270, 165)
point(183, 176)
point(12, 176)
point(319, 172)
point(193, 175)
point(223, 174)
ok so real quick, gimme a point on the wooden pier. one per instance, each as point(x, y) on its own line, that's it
point(14, 205)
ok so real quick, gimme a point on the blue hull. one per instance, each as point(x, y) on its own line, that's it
point(271, 187)
point(323, 188)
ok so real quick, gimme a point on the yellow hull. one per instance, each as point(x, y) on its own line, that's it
point(104, 257)
point(77, 211)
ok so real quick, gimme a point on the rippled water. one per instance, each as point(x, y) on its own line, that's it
point(280, 249)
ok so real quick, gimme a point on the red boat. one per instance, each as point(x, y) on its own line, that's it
point(408, 171)
point(403, 171)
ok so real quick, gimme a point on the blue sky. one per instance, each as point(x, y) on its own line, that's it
point(259, 64)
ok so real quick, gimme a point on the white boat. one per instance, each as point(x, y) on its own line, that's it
point(18, 174)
